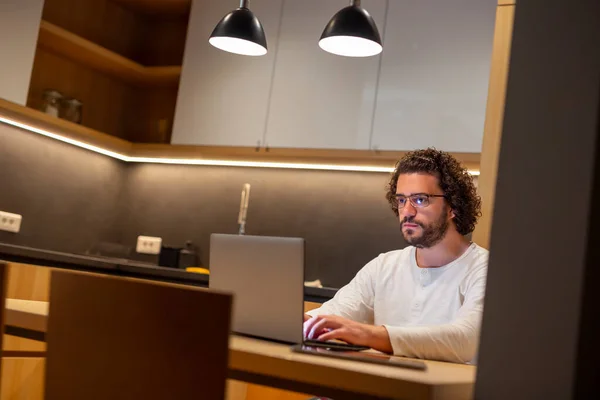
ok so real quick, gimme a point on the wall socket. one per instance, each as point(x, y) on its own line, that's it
point(10, 222)
point(148, 245)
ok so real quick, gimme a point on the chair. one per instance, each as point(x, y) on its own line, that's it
point(3, 290)
point(118, 338)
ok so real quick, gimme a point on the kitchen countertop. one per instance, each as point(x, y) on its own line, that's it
point(124, 267)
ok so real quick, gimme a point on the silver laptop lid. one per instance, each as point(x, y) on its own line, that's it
point(266, 275)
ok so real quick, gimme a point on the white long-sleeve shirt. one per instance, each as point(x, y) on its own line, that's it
point(431, 313)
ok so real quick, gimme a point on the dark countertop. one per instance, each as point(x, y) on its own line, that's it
point(123, 267)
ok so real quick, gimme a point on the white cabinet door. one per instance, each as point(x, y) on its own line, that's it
point(434, 75)
point(19, 28)
point(320, 100)
point(223, 97)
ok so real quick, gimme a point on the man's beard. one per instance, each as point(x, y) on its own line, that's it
point(431, 234)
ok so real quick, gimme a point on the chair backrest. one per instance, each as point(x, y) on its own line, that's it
point(3, 290)
point(115, 338)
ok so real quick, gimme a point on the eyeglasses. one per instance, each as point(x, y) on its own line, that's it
point(418, 200)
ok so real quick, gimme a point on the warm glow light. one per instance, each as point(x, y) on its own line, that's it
point(350, 46)
point(65, 139)
point(200, 161)
point(258, 164)
point(238, 46)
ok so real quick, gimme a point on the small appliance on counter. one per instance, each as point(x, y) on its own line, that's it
point(178, 257)
point(169, 256)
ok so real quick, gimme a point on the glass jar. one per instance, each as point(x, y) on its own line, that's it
point(52, 102)
point(72, 110)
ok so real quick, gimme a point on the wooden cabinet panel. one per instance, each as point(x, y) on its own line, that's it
point(28, 282)
point(434, 75)
point(22, 378)
point(107, 102)
point(493, 122)
point(19, 23)
point(103, 22)
point(223, 97)
point(320, 100)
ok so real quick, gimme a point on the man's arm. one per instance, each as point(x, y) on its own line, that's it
point(355, 300)
point(456, 341)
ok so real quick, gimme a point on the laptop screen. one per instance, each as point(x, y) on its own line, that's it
point(266, 276)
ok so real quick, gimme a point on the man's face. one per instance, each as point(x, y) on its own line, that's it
point(422, 227)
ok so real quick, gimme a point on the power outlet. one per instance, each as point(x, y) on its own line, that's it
point(10, 222)
point(148, 245)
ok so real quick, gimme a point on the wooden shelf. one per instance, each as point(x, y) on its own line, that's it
point(69, 130)
point(125, 148)
point(76, 48)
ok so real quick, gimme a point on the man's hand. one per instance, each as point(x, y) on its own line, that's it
point(327, 327)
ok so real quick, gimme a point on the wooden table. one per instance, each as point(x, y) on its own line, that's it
point(273, 364)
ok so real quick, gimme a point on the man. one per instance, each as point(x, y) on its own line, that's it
point(425, 300)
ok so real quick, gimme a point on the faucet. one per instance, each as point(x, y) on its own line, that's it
point(244, 208)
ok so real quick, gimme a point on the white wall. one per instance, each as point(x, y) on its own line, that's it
point(19, 27)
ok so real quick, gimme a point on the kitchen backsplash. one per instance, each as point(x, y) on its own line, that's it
point(72, 199)
point(343, 216)
point(68, 196)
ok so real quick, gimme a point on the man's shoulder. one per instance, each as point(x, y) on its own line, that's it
point(477, 260)
point(480, 254)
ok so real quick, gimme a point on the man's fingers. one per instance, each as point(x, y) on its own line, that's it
point(318, 328)
point(334, 334)
point(320, 324)
point(308, 324)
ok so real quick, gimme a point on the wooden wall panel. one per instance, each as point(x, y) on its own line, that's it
point(103, 22)
point(22, 378)
point(257, 392)
point(28, 282)
point(493, 122)
point(107, 102)
point(15, 343)
point(155, 110)
point(157, 6)
point(149, 39)
point(164, 40)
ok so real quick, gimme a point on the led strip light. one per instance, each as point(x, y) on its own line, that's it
point(200, 161)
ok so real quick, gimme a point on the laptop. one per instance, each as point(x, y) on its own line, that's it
point(266, 276)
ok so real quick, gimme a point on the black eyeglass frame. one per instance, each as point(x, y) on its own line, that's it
point(412, 197)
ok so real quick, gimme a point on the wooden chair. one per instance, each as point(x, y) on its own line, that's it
point(3, 290)
point(117, 338)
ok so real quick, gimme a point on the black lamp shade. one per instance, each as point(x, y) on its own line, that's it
point(351, 32)
point(240, 32)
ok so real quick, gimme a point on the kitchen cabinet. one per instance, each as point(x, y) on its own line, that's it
point(123, 65)
point(19, 24)
point(493, 123)
point(223, 97)
point(320, 100)
point(434, 75)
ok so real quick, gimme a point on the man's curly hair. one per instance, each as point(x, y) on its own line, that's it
point(455, 182)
